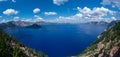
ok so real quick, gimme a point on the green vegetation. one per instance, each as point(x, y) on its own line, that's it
point(107, 45)
point(9, 47)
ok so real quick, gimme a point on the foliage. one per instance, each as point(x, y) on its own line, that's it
point(10, 47)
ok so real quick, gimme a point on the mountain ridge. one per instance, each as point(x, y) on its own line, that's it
point(19, 24)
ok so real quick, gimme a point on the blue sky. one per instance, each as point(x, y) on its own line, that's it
point(59, 10)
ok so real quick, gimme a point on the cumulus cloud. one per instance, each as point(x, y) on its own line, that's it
point(14, 1)
point(3, 21)
point(0, 16)
point(50, 13)
point(16, 17)
point(3, 0)
point(38, 17)
point(10, 12)
point(95, 12)
point(36, 10)
point(7, 0)
point(113, 3)
point(59, 2)
point(113, 18)
point(87, 15)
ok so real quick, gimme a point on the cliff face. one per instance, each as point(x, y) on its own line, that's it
point(107, 44)
point(9, 47)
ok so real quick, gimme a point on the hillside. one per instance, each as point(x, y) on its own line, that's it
point(19, 24)
point(107, 44)
point(9, 47)
point(14, 24)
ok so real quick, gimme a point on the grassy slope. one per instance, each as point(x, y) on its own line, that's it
point(9, 47)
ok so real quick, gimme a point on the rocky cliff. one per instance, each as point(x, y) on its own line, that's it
point(107, 44)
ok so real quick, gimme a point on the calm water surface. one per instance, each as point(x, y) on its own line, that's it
point(58, 40)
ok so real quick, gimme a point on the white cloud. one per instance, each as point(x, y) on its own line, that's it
point(106, 2)
point(113, 18)
point(7, 0)
point(96, 12)
point(38, 17)
point(0, 16)
point(87, 15)
point(113, 3)
point(59, 2)
point(16, 17)
point(79, 15)
point(84, 10)
point(14, 1)
point(3, 0)
point(36, 10)
point(3, 21)
point(27, 19)
point(10, 12)
point(50, 13)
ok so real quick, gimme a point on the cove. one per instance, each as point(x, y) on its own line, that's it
point(58, 40)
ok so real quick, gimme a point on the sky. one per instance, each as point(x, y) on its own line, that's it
point(62, 11)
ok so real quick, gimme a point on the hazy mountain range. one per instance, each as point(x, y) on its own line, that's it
point(28, 23)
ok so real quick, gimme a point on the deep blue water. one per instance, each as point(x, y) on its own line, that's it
point(58, 40)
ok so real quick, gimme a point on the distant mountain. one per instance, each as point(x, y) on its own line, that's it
point(111, 23)
point(19, 24)
point(34, 26)
point(107, 44)
point(15, 24)
point(9, 47)
point(98, 23)
point(42, 22)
